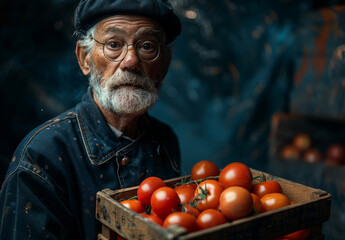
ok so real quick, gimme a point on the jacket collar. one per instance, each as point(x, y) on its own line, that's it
point(100, 142)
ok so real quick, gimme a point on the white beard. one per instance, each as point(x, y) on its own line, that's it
point(124, 101)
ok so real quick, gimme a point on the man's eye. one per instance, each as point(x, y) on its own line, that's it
point(148, 46)
point(114, 44)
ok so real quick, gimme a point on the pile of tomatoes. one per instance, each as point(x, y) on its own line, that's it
point(302, 148)
point(211, 198)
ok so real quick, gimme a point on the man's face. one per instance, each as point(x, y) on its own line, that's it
point(130, 86)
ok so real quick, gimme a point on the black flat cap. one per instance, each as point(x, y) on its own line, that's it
point(89, 12)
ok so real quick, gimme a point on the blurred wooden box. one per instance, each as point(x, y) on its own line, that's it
point(323, 133)
point(312, 209)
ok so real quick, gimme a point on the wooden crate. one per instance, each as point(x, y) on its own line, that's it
point(312, 209)
point(323, 132)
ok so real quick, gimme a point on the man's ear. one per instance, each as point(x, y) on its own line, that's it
point(84, 59)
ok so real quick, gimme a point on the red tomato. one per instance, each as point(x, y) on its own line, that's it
point(290, 152)
point(193, 185)
point(299, 235)
point(257, 205)
point(191, 210)
point(119, 237)
point(235, 203)
point(153, 218)
point(262, 188)
point(204, 169)
point(147, 187)
point(134, 205)
point(210, 218)
point(302, 142)
point(335, 154)
point(236, 174)
point(164, 201)
point(273, 201)
point(185, 193)
point(213, 189)
point(184, 220)
point(312, 156)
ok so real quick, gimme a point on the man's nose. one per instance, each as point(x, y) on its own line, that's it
point(131, 60)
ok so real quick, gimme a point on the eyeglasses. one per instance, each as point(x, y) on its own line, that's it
point(115, 50)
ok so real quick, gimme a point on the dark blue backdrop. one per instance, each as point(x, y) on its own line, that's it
point(234, 65)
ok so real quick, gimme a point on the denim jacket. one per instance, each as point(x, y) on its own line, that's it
point(50, 187)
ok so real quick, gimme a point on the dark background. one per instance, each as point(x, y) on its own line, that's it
point(235, 64)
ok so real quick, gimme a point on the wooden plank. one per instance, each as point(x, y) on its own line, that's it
point(108, 233)
point(101, 237)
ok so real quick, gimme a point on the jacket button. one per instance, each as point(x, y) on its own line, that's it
point(124, 161)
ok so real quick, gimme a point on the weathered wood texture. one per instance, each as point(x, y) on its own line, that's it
point(312, 209)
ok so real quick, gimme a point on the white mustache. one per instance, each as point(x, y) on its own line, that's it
point(128, 78)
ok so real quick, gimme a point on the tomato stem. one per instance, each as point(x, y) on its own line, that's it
point(261, 178)
point(134, 197)
point(201, 196)
point(199, 180)
point(182, 206)
point(148, 210)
